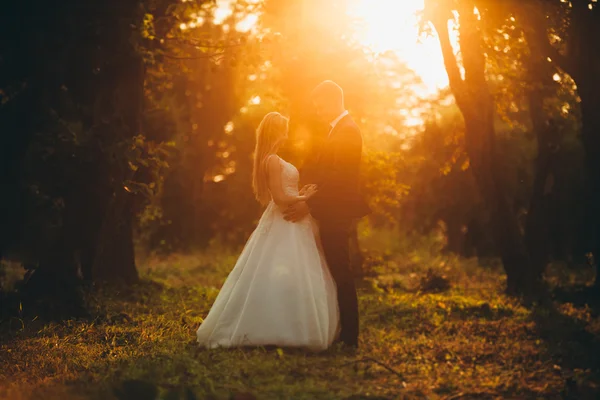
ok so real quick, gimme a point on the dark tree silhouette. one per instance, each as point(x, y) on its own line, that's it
point(72, 91)
point(579, 56)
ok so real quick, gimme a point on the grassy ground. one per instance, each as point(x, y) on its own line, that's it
point(467, 342)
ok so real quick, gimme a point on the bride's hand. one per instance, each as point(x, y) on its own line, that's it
point(305, 188)
point(308, 191)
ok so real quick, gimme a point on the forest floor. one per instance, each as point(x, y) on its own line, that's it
point(468, 341)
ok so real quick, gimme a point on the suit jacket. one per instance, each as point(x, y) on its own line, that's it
point(335, 170)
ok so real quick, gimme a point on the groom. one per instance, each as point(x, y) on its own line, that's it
point(338, 201)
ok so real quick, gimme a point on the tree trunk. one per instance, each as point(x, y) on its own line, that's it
point(455, 235)
point(476, 105)
point(53, 289)
point(114, 259)
point(537, 225)
point(582, 62)
point(590, 106)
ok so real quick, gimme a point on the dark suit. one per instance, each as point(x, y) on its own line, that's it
point(337, 203)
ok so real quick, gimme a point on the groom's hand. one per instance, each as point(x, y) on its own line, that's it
point(296, 212)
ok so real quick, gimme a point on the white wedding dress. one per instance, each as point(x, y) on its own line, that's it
point(280, 291)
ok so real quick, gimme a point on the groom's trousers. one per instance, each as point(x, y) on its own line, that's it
point(335, 241)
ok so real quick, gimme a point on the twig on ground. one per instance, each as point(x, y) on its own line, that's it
point(369, 359)
point(463, 394)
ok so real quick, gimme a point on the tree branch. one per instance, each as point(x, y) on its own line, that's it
point(440, 24)
point(205, 43)
point(206, 56)
point(471, 45)
point(535, 29)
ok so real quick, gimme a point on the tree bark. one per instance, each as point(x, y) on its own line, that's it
point(590, 106)
point(537, 226)
point(454, 233)
point(585, 28)
point(477, 107)
point(582, 62)
point(114, 256)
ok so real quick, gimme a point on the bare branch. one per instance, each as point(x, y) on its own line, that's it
point(450, 63)
point(206, 56)
point(205, 44)
point(471, 45)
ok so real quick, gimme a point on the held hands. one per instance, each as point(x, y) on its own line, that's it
point(307, 192)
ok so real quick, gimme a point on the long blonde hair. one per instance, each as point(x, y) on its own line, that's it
point(269, 132)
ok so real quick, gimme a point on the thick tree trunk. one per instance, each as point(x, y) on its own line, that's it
point(114, 259)
point(504, 224)
point(537, 225)
point(582, 62)
point(455, 235)
point(476, 105)
point(53, 289)
point(114, 256)
point(590, 106)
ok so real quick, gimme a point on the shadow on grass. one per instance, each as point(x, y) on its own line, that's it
point(232, 374)
point(482, 311)
point(419, 318)
point(572, 342)
point(18, 323)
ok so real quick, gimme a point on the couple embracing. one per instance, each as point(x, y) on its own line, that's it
point(292, 285)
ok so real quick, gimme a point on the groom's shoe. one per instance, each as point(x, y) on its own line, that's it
point(345, 347)
point(350, 342)
point(347, 350)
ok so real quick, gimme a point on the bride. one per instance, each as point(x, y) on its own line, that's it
point(280, 291)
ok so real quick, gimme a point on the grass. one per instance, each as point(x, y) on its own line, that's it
point(468, 342)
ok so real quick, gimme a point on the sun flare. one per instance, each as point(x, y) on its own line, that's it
point(381, 26)
point(392, 25)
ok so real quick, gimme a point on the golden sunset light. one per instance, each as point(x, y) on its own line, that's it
point(381, 26)
point(391, 25)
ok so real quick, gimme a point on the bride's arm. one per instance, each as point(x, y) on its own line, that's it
point(275, 186)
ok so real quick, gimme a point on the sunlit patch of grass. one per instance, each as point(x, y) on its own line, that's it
point(470, 340)
point(208, 268)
